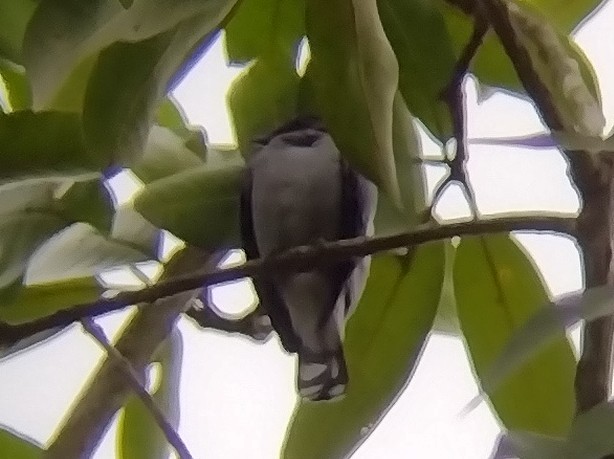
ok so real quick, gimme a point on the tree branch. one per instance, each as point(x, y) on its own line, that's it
point(133, 380)
point(593, 176)
point(255, 325)
point(108, 388)
point(295, 259)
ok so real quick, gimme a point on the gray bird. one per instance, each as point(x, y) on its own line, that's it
point(297, 190)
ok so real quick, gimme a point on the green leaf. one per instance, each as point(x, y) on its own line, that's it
point(165, 154)
point(129, 81)
point(546, 325)
point(13, 22)
point(383, 343)
point(43, 142)
point(88, 201)
point(390, 218)
point(17, 85)
point(20, 234)
point(32, 302)
point(200, 205)
point(81, 30)
point(31, 211)
point(420, 39)
point(491, 64)
point(410, 173)
point(139, 435)
point(15, 446)
point(62, 272)
point(263, 98)
point(446, 320)
point(170, 115)
point(497, 290)
point(265, 27)
point(354, 74)
point(79, 251)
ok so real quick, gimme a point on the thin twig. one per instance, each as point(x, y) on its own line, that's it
point(454, 96)
point(132, 377)
point(295, 259)
point(255, 325)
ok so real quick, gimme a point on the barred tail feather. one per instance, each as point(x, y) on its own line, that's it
point(322, 376)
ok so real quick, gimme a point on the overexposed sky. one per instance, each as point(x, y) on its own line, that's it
point(236, 396)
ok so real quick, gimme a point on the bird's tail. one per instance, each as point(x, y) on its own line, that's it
point(321, 376)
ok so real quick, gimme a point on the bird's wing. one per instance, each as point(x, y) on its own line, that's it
point(269, 297)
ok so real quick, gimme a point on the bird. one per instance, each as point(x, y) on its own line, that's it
point(298, 190)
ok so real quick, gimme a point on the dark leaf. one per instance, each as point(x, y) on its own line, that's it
point(39, 142)
point(418, 35)
point(354, 76)
point(265, 28)
point(263, 98)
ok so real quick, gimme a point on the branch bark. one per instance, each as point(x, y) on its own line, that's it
point(88, 420)
point(134, 380)
point(295, 259)
point(593, 176)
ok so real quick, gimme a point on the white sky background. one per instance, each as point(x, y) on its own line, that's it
point(236, 397)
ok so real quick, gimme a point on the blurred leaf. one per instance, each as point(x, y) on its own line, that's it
point(528, 445)
point(354, 74)
point(497, 290)
point(590, 437)
point(13, 21)
point(418, 35)
point(165, 154)
point(43, 142)
point(547, 324)
point(591, 433)
point(17, 85)
point(384, 341)
point(199, 205)
point(139, 435)
point(263, 98)
point(35, 301)
point(79, 251)
point(491, 64)
point(81, 30)
point(132, 229)
point(566, 140)
point(264, 28)
point(16, 446)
